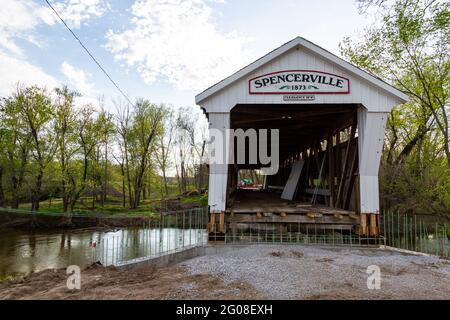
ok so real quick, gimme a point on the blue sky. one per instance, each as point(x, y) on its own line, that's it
point(163, 50)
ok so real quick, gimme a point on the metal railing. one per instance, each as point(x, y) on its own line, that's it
point(412, 232)
point(172, 232)
point(180, 230)
point(293, 233)
point(184, 229)
point(162, 234)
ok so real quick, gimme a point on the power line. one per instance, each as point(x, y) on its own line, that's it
point(89, 53)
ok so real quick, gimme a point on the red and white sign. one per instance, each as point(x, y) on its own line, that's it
point(299, 82)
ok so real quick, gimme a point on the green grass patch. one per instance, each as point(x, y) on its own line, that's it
point(113, 206)
point(11, 276)
point(191, 199)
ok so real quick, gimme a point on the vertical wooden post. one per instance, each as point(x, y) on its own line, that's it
point(363, 224)
point(331, 168)
point(222, 222)
point(212, 222)
point(352, 174)
point(373, 227)
point(338, 168)
point(345, 174)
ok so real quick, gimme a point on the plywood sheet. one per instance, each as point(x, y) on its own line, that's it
point(291, 184)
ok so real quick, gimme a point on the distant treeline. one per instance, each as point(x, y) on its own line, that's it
point(52, 147)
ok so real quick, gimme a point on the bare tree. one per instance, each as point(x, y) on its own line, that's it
point(164, 146)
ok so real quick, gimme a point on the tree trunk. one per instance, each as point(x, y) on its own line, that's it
point(65, 200)
point(15, 192)
point(144, 192)
point(105, 179)
point(37, 191)
point(2, 194)
point(123, 183)
point(76, 195)
point(166, 188)
point(183, 178)
point(420, 134)
point(130, 198)
point(178, 179)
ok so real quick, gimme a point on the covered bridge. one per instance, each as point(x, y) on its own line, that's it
point(331, 119)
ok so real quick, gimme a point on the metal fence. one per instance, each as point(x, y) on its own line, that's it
point(412, 232)
point(174, 231)
point(164, 233)
point(179, 230)
point(294, 233)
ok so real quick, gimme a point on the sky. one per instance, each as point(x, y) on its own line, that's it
point(166, 51)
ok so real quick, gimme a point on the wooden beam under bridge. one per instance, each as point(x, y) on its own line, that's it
point(294, 218)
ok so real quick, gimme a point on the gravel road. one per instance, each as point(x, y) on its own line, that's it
point(306, 272)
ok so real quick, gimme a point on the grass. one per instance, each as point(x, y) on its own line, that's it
point(200, 199)
point(11, 276)
point(113, 206)
point(191, 199)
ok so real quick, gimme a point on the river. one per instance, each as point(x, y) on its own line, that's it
point(23, 252)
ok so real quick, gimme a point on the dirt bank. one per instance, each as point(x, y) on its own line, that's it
point(254, 272)
point(42, 221)
point(109, 283)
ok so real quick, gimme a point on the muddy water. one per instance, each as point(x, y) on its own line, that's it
point(23, 252)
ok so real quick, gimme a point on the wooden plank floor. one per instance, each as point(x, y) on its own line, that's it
point(249, 201)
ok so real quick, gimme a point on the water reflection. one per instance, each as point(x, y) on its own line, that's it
point(23, 252)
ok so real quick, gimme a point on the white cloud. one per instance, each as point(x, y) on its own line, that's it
point(15, 70)
point(178, 41)
point(78, 79)
point(78, 12)
point(22, 15)
point(18, 19)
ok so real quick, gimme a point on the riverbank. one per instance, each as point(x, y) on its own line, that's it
point(27, 220)
point(114, 215)
point(253, 272)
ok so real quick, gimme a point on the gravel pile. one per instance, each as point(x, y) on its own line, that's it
point(307, 272)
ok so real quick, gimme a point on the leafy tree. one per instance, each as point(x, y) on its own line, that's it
point(65, 130)
point(138, 129)
point(15, 142)
point(409, 47)
point(35, 109)
point(87, 129)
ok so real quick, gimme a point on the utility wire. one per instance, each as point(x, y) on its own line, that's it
point(89, 53)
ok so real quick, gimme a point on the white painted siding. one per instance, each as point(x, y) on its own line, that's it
point(371, 126)
point(218, 173)
point(361, 91)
